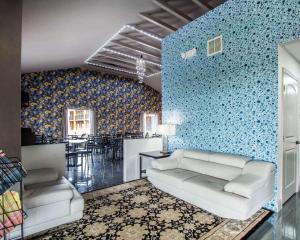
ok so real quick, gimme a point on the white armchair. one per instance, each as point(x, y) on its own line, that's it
point(49, 198)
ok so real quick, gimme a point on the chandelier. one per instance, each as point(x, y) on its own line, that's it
point(140, 69)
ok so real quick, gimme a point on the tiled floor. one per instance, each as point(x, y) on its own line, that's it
point(282, 226)
point(103, 173)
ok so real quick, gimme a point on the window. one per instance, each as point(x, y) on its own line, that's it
point(215, 46)
point(79, 121)
point(150, 121)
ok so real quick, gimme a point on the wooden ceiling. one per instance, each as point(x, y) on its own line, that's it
point(119, 53)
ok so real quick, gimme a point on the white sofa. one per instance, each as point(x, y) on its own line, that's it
point(230, 186)
point(49, 200)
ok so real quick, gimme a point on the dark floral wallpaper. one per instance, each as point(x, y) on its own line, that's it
point(117, 101)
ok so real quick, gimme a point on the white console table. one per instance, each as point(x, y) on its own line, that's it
point(131, 150)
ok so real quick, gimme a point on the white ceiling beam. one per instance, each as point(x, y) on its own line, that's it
point(115, 70)
point(150, 18)
point(127, 55)
point(121, 69)
point(102, 54)
point(117, 63)
point(147, 44)
point(146, 32)
point(141, 51)
point(203, 5)
point(172, 10)
point(122, 62)
point(95, 67)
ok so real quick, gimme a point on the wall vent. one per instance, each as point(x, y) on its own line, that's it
point(214, 46)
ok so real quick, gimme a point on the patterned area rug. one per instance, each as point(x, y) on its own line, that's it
point(137, 210)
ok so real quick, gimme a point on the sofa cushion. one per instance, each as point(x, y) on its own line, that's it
point(40, 176)
point(174, 177)
point(164, 163)
point(229, 159)
point(245, 185)
point(47, 195)
point(225, 172)
point(205, 181)
point(212, 190)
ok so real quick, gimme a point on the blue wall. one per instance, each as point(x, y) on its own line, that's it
point(229, 102)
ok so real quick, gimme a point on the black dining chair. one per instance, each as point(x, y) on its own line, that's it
point(71, 155)
point(98, 144)
point(87, 151)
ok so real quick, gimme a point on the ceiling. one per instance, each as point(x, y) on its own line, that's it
point(66, 33)
point(293, 48)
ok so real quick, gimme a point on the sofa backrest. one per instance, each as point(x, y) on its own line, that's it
point(220, 165)
point(44, 156)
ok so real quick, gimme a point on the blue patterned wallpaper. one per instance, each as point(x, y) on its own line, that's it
point(117, 101)
point(229, 102)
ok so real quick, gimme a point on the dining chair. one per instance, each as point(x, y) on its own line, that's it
point(87, 151)
point(71, 155)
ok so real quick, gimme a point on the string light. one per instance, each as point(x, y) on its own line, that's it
point(119, 69)
point(112, 68)
point(153, 74)
point(129, 56)
point(119, 53)
point(144, 32)
point(107, 42)
point(140, 61)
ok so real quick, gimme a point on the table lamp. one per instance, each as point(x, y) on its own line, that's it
point(166, 130)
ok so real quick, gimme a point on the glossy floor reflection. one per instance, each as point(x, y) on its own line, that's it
point(103, 173)
point(284, 225)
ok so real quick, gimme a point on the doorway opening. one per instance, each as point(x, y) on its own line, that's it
point(94, 161)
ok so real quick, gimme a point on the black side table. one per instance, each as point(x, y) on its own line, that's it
point(153, 155)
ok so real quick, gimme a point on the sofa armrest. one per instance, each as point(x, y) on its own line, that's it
point(262, 169)
point(245, 185)
point(165, 163)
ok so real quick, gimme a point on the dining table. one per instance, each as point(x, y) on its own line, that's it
point(77, 141)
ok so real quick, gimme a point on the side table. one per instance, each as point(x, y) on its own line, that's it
point(153, 155)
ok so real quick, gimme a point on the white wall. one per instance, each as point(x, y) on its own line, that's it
point(285, 61)
point(44, 156)
point(132, 148)
point(63, 33)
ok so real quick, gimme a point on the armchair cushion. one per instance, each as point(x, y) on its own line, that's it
point(37, 176)
point(47, 195)
point(165, 163)
point(245, 185)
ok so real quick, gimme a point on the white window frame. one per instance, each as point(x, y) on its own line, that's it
point(90, 119)
point(154, 120)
